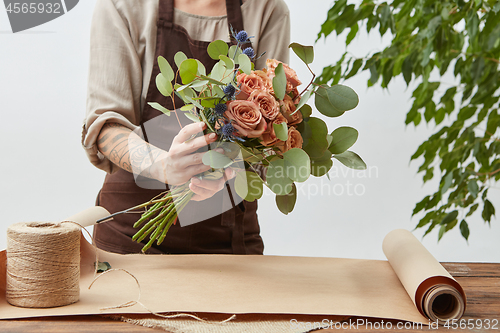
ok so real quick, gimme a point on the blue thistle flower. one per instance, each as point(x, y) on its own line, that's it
point(249, 52)
point(220, 109)
point(229, 90)
point(227, 131)
point(242, 36)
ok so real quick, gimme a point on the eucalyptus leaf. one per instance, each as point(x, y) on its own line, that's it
point(248, 185)
point(188, 70)
point(321, 166)
point(159, 107)
point(198, 83)
point(216, 160)
point(305, 53)
point(234, 52)
point(281, 131)
point(351, 160)
point(192, 101)
point(297, 164)
point(277, 178)
point(187, 107)
point(323, 104)
point(304, 99)
point(334, 101)
point(306, 111)
point(286, 203)
point(218, 91)
point(201, 69)
point(279, 82)
point(217, 48)
point(166, 69)
point(164, 86)
point(209, 102)
point(245, 64)
point(342, 139)
point(228, 62)
point(192, 117)
point(217, 72)
point(211, 80)
point(315, 141)
point(179, 57)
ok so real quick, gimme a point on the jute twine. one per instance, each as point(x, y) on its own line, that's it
point(43, 264)
point(43, 268)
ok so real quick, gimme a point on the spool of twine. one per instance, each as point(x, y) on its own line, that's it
point(43, 264)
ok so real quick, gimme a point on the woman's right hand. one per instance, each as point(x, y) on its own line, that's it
point(181, 163)
point(177, 166)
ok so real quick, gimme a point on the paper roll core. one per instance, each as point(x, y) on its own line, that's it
point(442, 303)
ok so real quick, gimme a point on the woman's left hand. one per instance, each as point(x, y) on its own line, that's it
point(206, 188)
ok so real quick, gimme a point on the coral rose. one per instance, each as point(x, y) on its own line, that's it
point(294, 140)
point(269, 138)
point(249, 83)
point(294, 94)
point(268, 83)
point(246, 118)
point(269, 106)
point(288, 109)
point(291, 76)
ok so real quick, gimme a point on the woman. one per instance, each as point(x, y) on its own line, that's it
point(127, 36)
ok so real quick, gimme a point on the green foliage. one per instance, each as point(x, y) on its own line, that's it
point(188, 70)
point(281, 131)
point(305, 53)
point(248, 185)
point(451, 36)
point(202, 93)
point(286, 203)
point(159, 107)
point(216, 48)
point(216, 160)
point(334, 101)
point(342, 139)
point(279, 82)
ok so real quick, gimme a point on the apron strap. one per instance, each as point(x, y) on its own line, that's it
point(234, 16)
point(166, 13)
point(238, 237)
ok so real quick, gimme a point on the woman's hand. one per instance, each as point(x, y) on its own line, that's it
point(177, 166)
point(205, 188)
point(182, 164)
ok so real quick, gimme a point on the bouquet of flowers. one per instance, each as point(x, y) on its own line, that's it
point(261, 119)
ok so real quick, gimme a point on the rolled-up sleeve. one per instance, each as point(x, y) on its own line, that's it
point(115, 79)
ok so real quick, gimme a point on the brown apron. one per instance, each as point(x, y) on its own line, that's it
point(236, 231)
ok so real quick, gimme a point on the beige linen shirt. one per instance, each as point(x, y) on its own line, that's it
point(122, 48)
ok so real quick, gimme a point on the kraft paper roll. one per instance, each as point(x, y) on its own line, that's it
point(436, 294)
point(286, 285)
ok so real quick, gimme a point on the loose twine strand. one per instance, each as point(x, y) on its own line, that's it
point(57, 283)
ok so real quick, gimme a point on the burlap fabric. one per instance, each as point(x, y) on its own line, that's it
point(243, 323)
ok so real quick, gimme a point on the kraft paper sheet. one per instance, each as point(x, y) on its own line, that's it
point(234, 284)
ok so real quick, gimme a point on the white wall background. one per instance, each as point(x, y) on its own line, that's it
point(46, 176)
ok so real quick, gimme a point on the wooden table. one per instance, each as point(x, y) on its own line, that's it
point(481, 282)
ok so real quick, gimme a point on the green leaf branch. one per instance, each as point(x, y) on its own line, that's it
point(450, 36)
